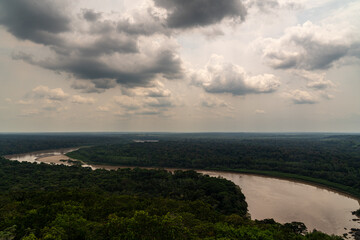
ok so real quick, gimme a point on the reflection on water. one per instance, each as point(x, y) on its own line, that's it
point(288, 201)
point(34, 156)
point(283, 200)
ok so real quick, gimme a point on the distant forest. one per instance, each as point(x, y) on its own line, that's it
point(39, 201)
point(325, 159)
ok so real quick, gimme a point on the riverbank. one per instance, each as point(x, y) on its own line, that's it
point(344, 190)
point(283, 199)
point(62, 158)
point(48, 156)
point(341, 189)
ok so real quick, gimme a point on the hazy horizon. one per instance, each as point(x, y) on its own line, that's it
point(253, 66)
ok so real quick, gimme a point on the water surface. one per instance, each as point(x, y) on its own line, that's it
point(287, 201)
point(283, 200)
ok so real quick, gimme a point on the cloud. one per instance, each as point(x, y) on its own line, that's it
point(145, 101)
point(263, 5)
point(316, 81)
point(129, 103)
point(24, 102)
point(141, 103)
point(210, 102)
point(158, 59)
point(212, 32)
point(310, 46)
point(43, 92)
point(82, 100)
point(87, 87)
point(221, 77)
point(144, 21)
point(47, 99)
point(131, 51)
point(103, 108)
point(301, 97)
point(268, 6)
point(156, 91)
point(106, 45)
point(320, 84)
point(198, 13)
point(159, 103)
point(29, 113)
point(36, 20)
point(90, 15)
point(259, 111)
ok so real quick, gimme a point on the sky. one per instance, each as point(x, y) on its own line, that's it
point(180, 65)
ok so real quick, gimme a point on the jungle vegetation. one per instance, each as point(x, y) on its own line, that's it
point(40, 201)
point(333, 160)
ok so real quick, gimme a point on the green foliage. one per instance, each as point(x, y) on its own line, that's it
point(22, 143)
point(39, 201)
point(8, 233)
point(329, 160)
point(221, 194)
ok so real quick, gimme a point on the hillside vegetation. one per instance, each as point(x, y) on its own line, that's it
point(39, 201)
point(329, 160)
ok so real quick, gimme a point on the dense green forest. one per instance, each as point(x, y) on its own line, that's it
point(39, 201)
point(23, 143)
point(328, 160)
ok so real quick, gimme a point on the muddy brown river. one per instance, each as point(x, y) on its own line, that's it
point(283, 200)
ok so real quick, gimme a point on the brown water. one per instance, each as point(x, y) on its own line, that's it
point(283, 200)
point(288, 201)
point(36, 156)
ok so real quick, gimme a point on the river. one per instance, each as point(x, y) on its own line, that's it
point(283, 200)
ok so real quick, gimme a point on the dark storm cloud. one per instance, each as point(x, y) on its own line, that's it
point(196, 13)
point(90, 15)
point(107, 46)
point(142, 28)
point(35, 20)
point(93, 85)
point(160, 103)
point(165, 64)
point(103, 52)
point(315, 56)
point(86, 87)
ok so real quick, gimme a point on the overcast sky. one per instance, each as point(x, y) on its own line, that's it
point(180, 65)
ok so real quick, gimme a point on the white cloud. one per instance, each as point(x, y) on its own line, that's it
point(259, 111)
point(310, 46)
point(56, 94)
point(82, 100)
point(24, 102)
point(156, 90)
point(301, 97)
point(145, 101)
point(29, 113)
point(221, 77)
point(315, 80)
point(213, 102)
point(103, 108)
point(129, 103)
